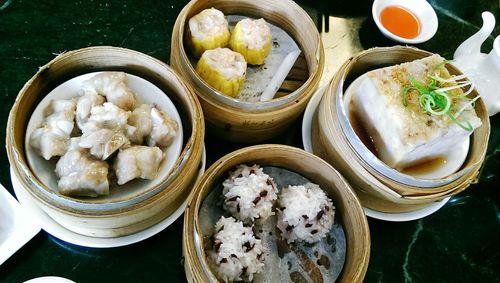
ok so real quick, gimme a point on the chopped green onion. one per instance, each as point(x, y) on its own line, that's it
point(434, 98)
point(406, 90)
point(467, 127)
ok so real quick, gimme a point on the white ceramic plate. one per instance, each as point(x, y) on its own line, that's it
point(307, 142)
point(16, 227)
point(49, 279)
point(146, 92)
point(58, 231)
point(407, 216)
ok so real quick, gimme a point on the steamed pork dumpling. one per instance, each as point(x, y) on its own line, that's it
point(51, 139)
point(223, 69)
point(112, 85)
point(107, 116)
point(81, 175)
point(137, 162)
point(207, 30)
point(252, 39)
point(103, 142)
point(84, 105)
point(153, 125)
point(141, 120)
point(164, 129)
point(106, 130)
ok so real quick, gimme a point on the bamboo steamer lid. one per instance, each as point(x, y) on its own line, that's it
point(378, 186)
point(308, 165)
point(114, 218)
point(261, 121)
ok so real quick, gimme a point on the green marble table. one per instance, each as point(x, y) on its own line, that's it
point(459, 243)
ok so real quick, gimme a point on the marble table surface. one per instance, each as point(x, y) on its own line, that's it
point(458, 243)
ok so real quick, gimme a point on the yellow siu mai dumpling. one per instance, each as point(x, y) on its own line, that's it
point(223, 69)
point(207, 30)
point(251, 38)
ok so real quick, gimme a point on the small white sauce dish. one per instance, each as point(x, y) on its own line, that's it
point(424, 12)
point(16, 225)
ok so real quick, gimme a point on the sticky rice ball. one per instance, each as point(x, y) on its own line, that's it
point(251, 38)
point(249, 193)
point(237, 254)
point(207, 30)
point(305, 213)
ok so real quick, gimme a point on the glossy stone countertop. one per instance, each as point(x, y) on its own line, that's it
point(458, 243)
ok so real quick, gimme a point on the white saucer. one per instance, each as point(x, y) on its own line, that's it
point(406, 216)
point(58, 231)
point(16, 227)
point(49, 279)
point(307, 142)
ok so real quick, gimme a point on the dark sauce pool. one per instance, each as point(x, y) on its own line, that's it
point(419, 169)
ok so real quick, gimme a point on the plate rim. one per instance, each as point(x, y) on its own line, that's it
point(57, 230)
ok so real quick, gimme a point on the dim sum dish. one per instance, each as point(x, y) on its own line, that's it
point(273, 213)
point(223, 69)
point(275, 64)
point(103, 141)
point(408, 129)
point(413, 112)
point(106, 149)
point(207, 30)
point(252, 39)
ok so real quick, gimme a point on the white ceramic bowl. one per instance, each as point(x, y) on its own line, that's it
point(145, 92)
point(420, 8)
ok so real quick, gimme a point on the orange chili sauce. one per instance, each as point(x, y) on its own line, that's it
point(400, 22)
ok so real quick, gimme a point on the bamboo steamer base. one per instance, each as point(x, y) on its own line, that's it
point(311, 167)
point(376, 190)
point(250, 131)
point(117, 225)
point(255, 125)
point(118, 217)
point(369, 196)
point(371, 192)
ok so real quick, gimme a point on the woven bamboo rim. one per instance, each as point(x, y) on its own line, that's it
point(368, 182)
point(99, 219)
point(253, 125)
point(297, 160)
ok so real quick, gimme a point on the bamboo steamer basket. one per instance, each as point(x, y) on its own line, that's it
point(255, 122)
point(89, 216)
point(308, 165)
point(378, 186)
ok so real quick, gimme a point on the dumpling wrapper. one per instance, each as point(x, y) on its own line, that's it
point(81, 175)
point(51, 138)
point(137, 162)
